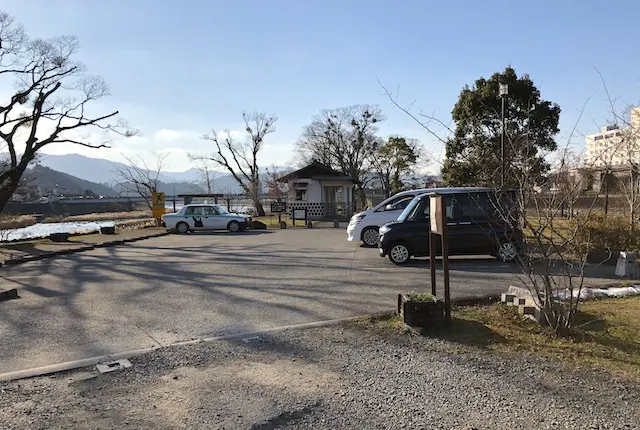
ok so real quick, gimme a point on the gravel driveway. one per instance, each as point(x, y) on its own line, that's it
point(341, 377)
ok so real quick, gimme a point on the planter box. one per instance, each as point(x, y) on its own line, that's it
point(108, 230)
point(420, 313)
point(59, 237)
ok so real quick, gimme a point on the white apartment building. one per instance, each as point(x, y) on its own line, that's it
point(614, 145)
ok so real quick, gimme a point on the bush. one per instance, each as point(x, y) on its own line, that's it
point(610, 233)
point(105, 216)
point(421, 297)
point(16, 221)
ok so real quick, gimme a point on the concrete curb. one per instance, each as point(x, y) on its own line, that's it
point(76, 364)
point(52, 254)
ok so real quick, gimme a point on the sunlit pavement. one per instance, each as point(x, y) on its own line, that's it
point(174, 288)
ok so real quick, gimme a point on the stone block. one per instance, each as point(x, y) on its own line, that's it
point(627, 265)
point(257, 225)
point(524, 293)
point(113, 365)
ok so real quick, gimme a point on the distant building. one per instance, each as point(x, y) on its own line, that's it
point(615, 146)
point(322, 191)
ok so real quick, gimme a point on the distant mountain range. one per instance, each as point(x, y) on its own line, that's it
point(103, 171)
point(52, 181)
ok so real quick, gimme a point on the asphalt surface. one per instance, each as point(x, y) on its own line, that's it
point(348, 376)
point(175, 288)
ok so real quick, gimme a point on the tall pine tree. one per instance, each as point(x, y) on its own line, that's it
point(473, 154)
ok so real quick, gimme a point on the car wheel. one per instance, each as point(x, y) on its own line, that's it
point(370, 236)
point(182, 228)
point(507, 251)
point(399, 254)
point(233, 226)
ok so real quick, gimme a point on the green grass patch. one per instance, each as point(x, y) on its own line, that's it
point(606, 335)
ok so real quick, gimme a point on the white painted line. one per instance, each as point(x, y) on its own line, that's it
point(76, 364)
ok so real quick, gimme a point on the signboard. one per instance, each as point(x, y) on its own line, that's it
point(300, 214)
point(435, 214)
point(158, 200)
point(278, 207)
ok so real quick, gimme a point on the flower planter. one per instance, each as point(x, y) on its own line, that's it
point(108, 230)
point(420, 313)
point(59, 237)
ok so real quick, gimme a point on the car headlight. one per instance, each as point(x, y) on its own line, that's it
point(357, 218)
point(384, 229)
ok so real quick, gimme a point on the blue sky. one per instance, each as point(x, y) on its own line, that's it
point(178, 68)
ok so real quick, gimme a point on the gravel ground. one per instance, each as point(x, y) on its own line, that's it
point(341, 377)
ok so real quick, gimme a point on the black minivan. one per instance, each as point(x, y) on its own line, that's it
point(480, 221)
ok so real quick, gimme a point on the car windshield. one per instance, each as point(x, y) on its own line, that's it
point(409, 210)
point(222, 210)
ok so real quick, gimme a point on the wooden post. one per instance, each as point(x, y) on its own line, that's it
point(438, 227)
point(445, 263)
point(432, 261)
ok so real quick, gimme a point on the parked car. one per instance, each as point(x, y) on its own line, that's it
point(479, 222)
point(205, 217)
point(363, 227)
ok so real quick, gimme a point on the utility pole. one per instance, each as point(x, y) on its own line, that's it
point(504, 91)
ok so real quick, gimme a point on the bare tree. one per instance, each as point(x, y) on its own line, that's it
point(240, 158)
point(344, 139)
point(51, 103)
point(207, 175)
point(141, 179)
point(275, 188)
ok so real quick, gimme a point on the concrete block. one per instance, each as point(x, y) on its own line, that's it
point(8, 294)
point(524, 293)
point(627, 265)
point(113, 365)
point(257, 225)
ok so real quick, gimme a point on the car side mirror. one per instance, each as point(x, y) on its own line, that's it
point(388, 207)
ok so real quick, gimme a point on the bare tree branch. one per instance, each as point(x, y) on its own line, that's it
point(50, 103)
point(241, 158)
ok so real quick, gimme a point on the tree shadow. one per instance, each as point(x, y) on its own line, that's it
point(591, 328)
point(228, 233)
point(465, 332)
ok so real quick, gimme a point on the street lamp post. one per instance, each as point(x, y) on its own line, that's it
point(504, 91)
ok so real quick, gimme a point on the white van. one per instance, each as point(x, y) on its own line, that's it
point(364, 226)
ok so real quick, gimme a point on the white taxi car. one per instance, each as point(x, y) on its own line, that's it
point(205, 217)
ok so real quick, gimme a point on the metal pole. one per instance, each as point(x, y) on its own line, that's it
point(502, 168)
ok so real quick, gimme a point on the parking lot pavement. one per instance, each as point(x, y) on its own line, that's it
point(175, 288)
